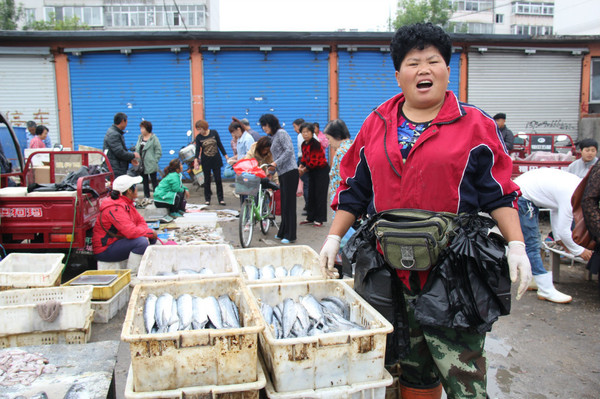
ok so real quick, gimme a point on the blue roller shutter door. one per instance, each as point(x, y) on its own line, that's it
point(153, 86)
point(366, 79)
point(247, 84)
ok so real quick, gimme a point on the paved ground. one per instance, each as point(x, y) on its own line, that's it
point(540, 351)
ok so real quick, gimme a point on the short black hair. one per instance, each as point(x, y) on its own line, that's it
point(500, 115)
point(309, 126)
point(31, 124)
point(418, 36)
point(119, 117)
point(271, 121)
point(585, 143)
point(298, 121)
point(39, 130)
point(234, 126)
point(337, 129)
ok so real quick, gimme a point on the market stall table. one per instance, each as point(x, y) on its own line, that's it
point(85, 369)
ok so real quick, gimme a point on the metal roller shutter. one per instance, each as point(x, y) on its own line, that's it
point(247, 84)
point(367, 79)
point(153, 86)
point(29, 91)
point(538, 92)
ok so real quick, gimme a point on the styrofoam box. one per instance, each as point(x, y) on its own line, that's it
point(106, 310)
point(247, 390)
point(170, 258)
point(192, 358)
point(18, 306)
point(323, 361)
point(13, 191)
point(24, 270)
point(286, 256)
point(207, 219)
point(361, 390)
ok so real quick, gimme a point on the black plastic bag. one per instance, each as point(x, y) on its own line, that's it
point(378, 284)
point(69, 183)
point(470, 288)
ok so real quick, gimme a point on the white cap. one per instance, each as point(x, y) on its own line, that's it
point(124, 182)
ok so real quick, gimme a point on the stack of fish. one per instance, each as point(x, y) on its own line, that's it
point(309, 317)
point(190, 272)
point(166, 314)
point(271, 272)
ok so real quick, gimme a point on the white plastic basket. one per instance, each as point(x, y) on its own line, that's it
point(19, 314)
point(236, 391)
point(158, 259)
point(25, 270)
point(191, 358)
point(286, 256)
point(323, 361)
point(106, 310)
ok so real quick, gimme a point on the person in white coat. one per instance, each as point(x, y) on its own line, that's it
point(550, 189)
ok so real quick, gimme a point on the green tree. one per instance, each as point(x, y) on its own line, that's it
point(71, 23)
point(437, 12)
point(9, 14)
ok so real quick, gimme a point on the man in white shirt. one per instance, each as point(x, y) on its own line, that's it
point(551, 189)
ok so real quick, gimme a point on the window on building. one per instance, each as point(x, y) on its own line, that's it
point(471, 5)
point(532, 30)
point(29, 15)
point(91, 16)
point(499, 18)
point(472, 27)
point(533, 8)
point(156, 16)
point(595, 82)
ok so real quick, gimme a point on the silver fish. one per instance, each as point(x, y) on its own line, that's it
point(229, 312)
point(165, 273)
point(162, 316)
point(278, 313)
point(267, 273)
point(296, 270)
point(297, 330)
point(252, 272)
point(149, 312)
point(313, 307)
point(267, 312)
point(199, 318)
point(302, 315)
point(289, 316)
point(277, 331)
point(306, 273)
point(213, 310)
point(206, 271)
point(280, 272)
point(174, 322)
point(338, 323)
point(182, 272)
point(340, 303)
point(185, 311)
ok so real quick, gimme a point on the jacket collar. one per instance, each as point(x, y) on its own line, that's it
point(450, 111)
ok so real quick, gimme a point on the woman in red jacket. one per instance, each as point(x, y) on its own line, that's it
point(120, 230)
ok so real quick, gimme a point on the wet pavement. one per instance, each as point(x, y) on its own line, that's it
point(540, 351)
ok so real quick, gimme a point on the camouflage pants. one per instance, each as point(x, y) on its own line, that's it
point(455, 357)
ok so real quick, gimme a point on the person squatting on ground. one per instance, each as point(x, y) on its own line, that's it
point(208, 145)
point(589, 149)
point(120, 232)
point(284, 162)
point(115, 149)
point(314, 164)
point(551, 189)
point(423, 149)
point(171, 193)
point(148, 146)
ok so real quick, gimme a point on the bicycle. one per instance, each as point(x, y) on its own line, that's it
point(260, 209)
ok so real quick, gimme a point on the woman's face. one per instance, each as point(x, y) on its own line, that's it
point(333, 142)
point(423, 78)
point(267, 129)
point(143, 130)
point(44, 135)
point(307, 134)
point(202, 131)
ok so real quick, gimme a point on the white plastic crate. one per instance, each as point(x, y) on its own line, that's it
point(206, 219)
point(19, 306)
point(191, 358)
point(361, 390)
point(106, 310)
point(286, 256)
point(25, 270)
point(248, 390)
point(323, 361)
point(171, 258)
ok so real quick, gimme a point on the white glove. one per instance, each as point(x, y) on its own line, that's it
point(330, 249)
point(518, 262)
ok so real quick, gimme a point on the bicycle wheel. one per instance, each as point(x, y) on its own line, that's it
point(246, 223)
point(265, 213)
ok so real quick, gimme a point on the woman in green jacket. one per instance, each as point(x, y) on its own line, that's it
point(171, 193)
point(150, 151)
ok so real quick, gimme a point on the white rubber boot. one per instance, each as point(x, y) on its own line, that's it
point(133, 263)
point(532, 285)
point(546, 290)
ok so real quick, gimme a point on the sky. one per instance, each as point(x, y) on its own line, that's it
point(306, 15)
